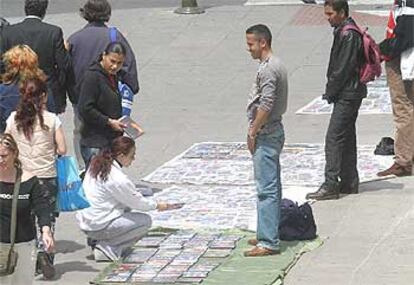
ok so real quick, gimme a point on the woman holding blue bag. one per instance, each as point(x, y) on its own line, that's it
point(40, 138)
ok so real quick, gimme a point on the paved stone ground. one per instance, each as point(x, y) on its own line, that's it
point(296, 2)
point(14, 8)
point(195, 75)
point(370, 238)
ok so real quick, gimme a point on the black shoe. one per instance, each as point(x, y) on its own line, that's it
point(324, 193)
point(46, 265)
point(91, 242)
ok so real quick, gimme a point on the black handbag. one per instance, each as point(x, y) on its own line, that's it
point(8, 257)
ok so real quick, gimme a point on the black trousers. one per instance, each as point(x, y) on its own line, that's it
point(340, 145)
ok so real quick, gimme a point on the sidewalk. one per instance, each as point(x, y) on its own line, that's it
point(370, 238)
point(296, 2)
point(195, 74)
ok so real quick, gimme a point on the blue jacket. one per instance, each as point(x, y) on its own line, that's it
point(9, 98)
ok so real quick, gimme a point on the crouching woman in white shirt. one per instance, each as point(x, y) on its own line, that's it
point(112, 219)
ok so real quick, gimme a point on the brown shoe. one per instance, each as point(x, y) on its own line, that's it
point(253, 242)
point(260, 251)
point(397, 170)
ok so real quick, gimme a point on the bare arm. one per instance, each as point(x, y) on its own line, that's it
point(48, 239)
point(60, 141)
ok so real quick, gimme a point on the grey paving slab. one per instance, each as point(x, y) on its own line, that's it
point(10, 8)
point(369, 238)
point(296, 2)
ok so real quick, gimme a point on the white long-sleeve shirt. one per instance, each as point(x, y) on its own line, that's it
point(109, 199)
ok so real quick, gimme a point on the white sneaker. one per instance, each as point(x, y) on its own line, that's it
point(104, 253)
point(100, 256)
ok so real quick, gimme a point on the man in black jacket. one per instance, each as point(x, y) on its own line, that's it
point(47, 41)
point(346, 92)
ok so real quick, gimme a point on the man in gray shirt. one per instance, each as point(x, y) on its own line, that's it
point(265, 138)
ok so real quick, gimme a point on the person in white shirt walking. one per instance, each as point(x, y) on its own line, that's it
point(113, 219)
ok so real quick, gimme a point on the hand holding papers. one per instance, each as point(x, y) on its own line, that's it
point(132, 129)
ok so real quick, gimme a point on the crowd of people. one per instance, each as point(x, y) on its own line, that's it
point(39, 70)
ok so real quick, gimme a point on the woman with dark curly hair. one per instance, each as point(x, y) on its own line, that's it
point(30, 200)
point(39, 135)
point(19, 62)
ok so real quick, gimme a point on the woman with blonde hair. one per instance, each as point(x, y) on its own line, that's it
point(30, 200)
point(39, 135)
point(20, 62)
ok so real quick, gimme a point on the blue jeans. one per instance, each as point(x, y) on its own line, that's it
point(269, 188)
point(87, 154)
point(77, 136)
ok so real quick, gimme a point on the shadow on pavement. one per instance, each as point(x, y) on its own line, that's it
point(380, 185)
point(68, 246)
point(72, 266)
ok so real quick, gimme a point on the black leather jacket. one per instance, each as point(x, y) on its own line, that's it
point(347, 56)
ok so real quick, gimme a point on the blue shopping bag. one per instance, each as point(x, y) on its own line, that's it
point(71, 196)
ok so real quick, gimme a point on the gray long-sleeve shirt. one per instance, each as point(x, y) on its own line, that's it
point(269, 93)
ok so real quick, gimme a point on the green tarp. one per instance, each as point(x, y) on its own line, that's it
point(240, 270)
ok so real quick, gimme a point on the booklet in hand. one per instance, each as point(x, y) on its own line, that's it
point(133, 130)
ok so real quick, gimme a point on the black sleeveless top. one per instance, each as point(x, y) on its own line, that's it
point(31, 202)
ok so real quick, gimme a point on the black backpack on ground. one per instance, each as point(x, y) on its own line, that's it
point(296, 222)
point(385, 147)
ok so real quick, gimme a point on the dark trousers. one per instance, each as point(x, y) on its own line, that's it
point(340, 145)
point(49, 188)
